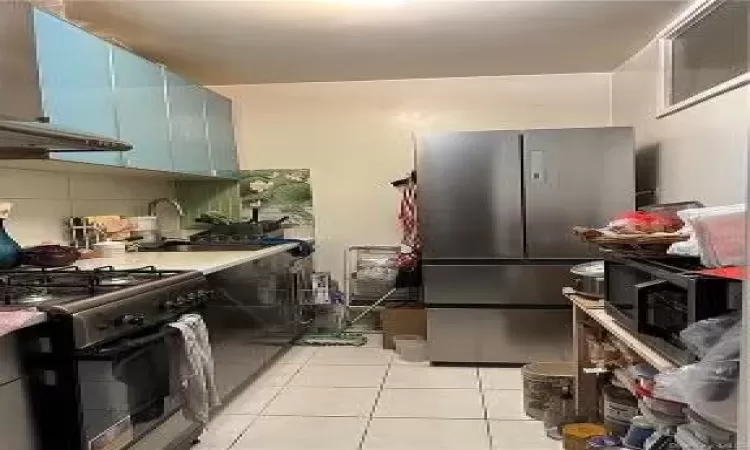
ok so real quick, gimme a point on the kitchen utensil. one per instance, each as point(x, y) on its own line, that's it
point(589, 279)
point(10, 251)
point(109, 249)
point(50, 256)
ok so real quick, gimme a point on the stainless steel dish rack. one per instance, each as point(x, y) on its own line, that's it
point(371, 272)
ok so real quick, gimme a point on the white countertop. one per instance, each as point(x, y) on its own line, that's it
point(206, 262)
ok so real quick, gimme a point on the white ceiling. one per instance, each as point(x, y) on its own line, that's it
point(269, 41)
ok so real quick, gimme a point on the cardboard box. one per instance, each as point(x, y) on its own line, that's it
point(403, 320)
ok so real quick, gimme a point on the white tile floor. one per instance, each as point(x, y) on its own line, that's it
point(346, 398)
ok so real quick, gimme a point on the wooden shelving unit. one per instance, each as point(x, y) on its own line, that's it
point(586, 310)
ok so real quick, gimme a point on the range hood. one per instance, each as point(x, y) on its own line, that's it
point(23, 134)
point(36, 139)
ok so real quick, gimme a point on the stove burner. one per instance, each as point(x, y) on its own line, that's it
point(34, 296)
point(119, 280)
point(37, 286)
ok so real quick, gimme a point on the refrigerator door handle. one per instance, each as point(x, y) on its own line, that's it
point(536, 166)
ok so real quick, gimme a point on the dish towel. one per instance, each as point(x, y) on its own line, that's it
point(195, 368)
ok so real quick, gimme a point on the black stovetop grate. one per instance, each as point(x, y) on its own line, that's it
point(62, 284)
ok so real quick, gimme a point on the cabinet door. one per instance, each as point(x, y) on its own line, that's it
point(16, 420)
point(187, 120)
point(76, 82)
point(140, 96)
point(221, 135)
point(18, 68)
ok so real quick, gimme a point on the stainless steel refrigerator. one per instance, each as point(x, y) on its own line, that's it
point(496, 209)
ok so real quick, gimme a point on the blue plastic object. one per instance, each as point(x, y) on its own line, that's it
point(10, 251)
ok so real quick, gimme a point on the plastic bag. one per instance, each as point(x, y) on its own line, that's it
point(710, 386)
point(636, 222)
point(728, 346)
point(702, 336)
point(719, 232)
point(690, 248)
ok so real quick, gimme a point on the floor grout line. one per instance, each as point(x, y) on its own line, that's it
point(260, 413)
point(367, 419)
point(486, 411)
point(375, 405)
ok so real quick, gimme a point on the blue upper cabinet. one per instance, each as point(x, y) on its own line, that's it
point(190, 152)
point(96, 87)
point(221, 135)
point(76, 82)
point(140, 100)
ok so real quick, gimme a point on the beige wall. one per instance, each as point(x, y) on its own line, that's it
point(44, 199)
point(356, 136)
point(698, 153)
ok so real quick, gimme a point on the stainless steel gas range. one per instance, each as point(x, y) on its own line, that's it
point(99, 369)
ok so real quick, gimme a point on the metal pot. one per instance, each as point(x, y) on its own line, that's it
point(50, 256)
point(589, 279)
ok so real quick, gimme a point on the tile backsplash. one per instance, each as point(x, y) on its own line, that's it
point(44, 200)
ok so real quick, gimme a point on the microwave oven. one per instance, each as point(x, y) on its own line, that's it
point(658, 298)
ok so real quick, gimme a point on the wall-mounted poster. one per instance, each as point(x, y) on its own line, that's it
point(279, 193)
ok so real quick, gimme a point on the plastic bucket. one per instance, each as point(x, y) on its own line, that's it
point(411, 347)
point(544, 384)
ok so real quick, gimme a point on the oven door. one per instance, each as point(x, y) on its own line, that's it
point(127, 388)
point(663, 312)
point(621, 299)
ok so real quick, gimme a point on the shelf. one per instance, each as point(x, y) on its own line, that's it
point(601, 317)
point(622, 376)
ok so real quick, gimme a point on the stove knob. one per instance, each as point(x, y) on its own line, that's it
point(132, 319)
point(203, 295)
point(169, 305)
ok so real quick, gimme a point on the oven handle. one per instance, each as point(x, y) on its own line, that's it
point(127, 345)
point(641, 309)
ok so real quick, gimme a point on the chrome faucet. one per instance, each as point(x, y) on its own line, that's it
point(152, 206)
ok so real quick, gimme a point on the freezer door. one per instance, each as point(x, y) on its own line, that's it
point(575, 177)
point(513, 285)
point(453, 335)
point(526, 335)
point(470, 195)
point(499, 336)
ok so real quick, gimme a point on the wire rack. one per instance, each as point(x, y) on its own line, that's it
point(371, 272)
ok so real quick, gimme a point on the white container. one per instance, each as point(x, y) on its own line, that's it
point(144, 223)
point(411, 347)
point(109, 249)
point(146, 228)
